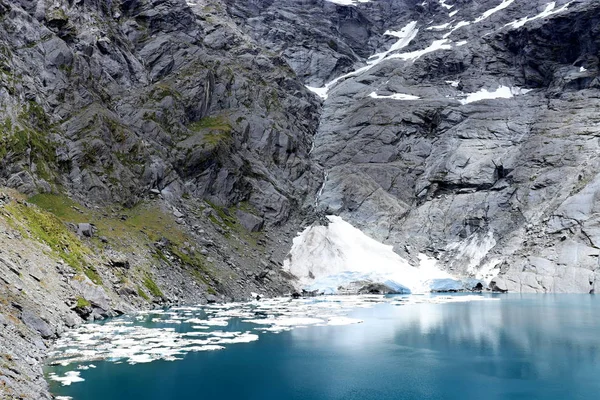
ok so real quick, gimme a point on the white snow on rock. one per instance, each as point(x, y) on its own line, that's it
point(405, 36)
point(440, 27)
point(474, 249)
point(395, 96)
point(348, 2)
point(453, 13)
point(503, 92)
point(443, 4)
point(327, 257)
point(453, 83)
point(488, 13)
point(548, 11)
point(443, 44)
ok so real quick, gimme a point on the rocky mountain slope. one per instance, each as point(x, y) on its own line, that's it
point(156, 152)
point(469, 135)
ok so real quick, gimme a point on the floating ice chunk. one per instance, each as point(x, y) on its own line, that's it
point(395, 96)
point(63, 398)
point(208, 347)
point(443, 4)
point(501, 6)
point(210, 322)
point(503, 92)
point(68, 378)
point(337, 321)
point(139, 359)
point(548, 11)
point(244, 338)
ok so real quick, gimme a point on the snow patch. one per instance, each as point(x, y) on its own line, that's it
point(548, 11)
point(348, 2)
point(453, 83)
point(405, 36)
point(440, 27)
point(503, 92)
point(395, 96)
point(443, 44)
point(501, 6)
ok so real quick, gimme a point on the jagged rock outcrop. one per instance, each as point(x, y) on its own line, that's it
point(415, 156)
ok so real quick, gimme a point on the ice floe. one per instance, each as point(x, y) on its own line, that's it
point(137, 343)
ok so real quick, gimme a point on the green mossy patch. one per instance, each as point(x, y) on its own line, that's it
point(152, 287)
point(49, 229)
point(82, 303)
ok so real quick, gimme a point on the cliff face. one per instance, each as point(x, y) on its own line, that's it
point(151, 154)
point(416, 156)
point(185, 134)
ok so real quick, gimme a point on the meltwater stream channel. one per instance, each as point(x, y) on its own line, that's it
point(406, 347)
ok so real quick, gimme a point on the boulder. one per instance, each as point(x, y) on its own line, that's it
point(33, 321)
point(250, 221)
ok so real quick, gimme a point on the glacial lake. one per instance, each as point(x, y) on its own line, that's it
point(507, 346)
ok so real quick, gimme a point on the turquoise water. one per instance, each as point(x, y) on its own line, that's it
point(518, 347)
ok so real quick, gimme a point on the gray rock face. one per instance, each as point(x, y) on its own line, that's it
point(34, 322)
point(501, 186)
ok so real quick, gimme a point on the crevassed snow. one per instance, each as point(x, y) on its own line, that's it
point(348, 2)
point(327, 257)
point(548, 11)
point(405, 36)
point(488, 13)
point(503, 92)
point(395, 96)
